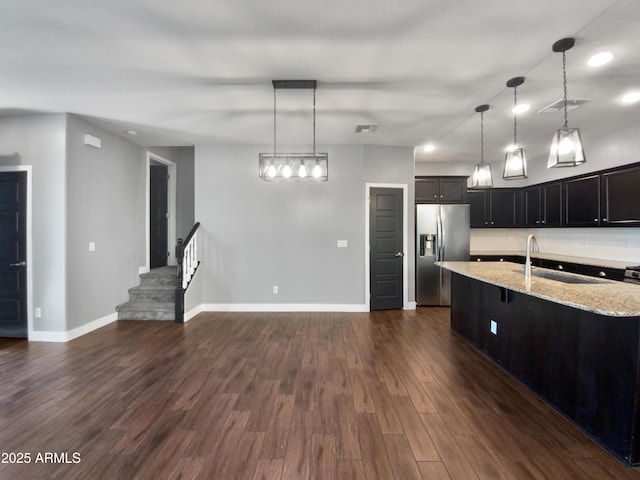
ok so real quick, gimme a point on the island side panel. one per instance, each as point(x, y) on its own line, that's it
point(583, 364)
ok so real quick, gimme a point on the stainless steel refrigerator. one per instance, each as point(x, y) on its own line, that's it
point(442, 234)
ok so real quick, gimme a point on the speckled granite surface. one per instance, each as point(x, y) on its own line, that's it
point(606, 297)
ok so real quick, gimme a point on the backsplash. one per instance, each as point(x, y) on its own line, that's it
point(618, 244)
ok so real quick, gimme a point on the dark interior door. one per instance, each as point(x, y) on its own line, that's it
point(386, 240)
point(13, 254)
point(159, 175)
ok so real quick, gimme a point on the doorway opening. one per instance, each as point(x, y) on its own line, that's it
point(160, 212)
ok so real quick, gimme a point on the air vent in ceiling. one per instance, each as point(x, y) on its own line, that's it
point(366, 128)
point(558, 105)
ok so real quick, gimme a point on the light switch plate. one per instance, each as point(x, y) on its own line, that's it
point(92, 246)
point(343, 244)
point(494, 327)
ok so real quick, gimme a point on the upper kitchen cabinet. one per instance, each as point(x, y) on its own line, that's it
point(441, 189)
point(496, 207)
point(543, 205)
point(582, 201)
point(620, 197)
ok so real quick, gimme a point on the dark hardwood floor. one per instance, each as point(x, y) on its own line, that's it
point(386, 395)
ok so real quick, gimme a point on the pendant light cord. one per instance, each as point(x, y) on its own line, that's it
point(314, 122)
point(481, 137)
point(515, 117)
point(564, 78)
point(274, 122)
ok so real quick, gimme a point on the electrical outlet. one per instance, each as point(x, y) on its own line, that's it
point(275, 289)
point(494, 327)
point(92, 246)
point(38, 312)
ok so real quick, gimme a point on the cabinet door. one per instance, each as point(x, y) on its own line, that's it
point(505, 206)
point(427, 190)
point(478, 208)
point(552, 201)
point(621, 197)
point(532, 207)
point(453, 190)
point(582, 201)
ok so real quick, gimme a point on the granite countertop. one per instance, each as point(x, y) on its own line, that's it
point(605, 297)
point(560, 258)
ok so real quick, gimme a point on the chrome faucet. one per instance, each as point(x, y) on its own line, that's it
point(532, 244)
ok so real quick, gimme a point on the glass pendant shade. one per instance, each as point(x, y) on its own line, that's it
point(566, 149)
point(482, 177)
point(294, 167)
point(566, 146)
point(515, 165)
point(515, 161)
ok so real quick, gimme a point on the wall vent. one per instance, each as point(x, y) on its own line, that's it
point(366, 128)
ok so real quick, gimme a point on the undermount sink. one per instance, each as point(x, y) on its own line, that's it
point(563, 277)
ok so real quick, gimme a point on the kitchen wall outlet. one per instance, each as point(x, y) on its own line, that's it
point(38, 312)
point(343, 244)
point(92, 246)
point(494, 327)
point(275, 289)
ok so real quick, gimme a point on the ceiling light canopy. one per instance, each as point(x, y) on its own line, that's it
point(515, 161)
point(482, 177)
point(566, 146)
point(301, 167)
point(429, 147)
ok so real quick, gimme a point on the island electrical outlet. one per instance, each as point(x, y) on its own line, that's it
point(494, 327)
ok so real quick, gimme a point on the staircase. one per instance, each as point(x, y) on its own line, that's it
point(153, 299)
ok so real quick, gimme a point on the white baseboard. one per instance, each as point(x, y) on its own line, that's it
point(60, 337)
point(282, 307)
point(411, 306)
point(192, 313)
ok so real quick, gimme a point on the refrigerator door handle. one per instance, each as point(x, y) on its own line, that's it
point(439, 239)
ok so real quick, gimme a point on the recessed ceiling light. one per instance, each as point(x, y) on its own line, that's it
point(631, 97)
point(600, 59)
point(429, 147)
point(133, 133)
point(521, 108)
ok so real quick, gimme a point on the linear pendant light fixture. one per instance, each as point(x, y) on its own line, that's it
point(482, 171)
point(566, 146)
point(293, 167)
point(515, 162)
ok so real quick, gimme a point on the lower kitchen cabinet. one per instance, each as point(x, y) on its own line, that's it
point(582, 363)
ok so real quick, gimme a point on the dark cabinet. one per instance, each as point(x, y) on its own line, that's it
point(582, 201)
point(620, 201)
point(441, 189)
point(543, 205)
point(558, 351)
point(496, 207)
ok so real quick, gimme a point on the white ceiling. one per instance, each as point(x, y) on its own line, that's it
point(200, 71)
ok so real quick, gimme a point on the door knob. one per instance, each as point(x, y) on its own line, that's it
point(19, 264)
point(399, 254)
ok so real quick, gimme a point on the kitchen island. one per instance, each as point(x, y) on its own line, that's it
point(572, 340)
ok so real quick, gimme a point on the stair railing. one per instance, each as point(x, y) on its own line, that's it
point(188, 261)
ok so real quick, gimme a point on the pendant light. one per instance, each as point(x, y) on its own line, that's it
point(515, 162)
point(566, 146)
point(293, 167)
point(482, 171)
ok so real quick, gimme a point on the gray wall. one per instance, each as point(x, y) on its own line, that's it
point(39, 141)
point(106, 205)
point(257, 234)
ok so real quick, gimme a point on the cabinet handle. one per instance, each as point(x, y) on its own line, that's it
point(537, 222)
point(435, 196)
point(602, 274)
point(595, 219)
point(543, 221)
point(486, 223)
point(493, 223)
point(604, 220)
point(560, 267)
